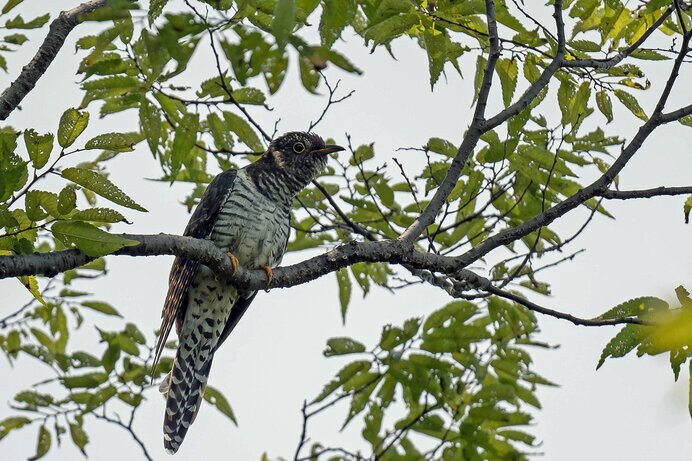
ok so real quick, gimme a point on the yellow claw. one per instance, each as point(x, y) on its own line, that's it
point(270, 275)
point(234, 262)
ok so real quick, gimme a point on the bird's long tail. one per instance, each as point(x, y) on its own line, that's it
point(185, 387)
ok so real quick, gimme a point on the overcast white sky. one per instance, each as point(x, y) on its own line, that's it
point(630, 409)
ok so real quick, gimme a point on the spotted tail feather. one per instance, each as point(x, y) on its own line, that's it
point(185, 386)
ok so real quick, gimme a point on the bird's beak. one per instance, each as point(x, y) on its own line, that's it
point(328, 149)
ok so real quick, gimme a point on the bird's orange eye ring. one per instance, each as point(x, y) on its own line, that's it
point(299, 147)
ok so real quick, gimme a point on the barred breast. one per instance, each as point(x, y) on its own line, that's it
point(251, 226)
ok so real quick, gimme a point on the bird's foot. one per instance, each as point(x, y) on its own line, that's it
point(234, 262)
point(270, 275)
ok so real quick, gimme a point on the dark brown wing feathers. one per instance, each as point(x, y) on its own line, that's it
point(200, 226)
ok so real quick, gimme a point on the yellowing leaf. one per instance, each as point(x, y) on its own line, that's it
point(72, 124)
point(30, 282)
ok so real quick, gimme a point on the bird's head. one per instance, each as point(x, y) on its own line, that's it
point(300, 155)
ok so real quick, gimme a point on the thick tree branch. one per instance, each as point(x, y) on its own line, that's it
point(60, 28)
point(206, 252)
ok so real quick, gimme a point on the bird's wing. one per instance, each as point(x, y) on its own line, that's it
point(183, 270)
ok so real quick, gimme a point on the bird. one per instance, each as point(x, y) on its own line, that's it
point(245, 212)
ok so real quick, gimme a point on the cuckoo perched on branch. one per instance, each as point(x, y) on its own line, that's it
point(247, 213)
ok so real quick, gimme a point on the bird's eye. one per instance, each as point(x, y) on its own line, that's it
point(299, 147)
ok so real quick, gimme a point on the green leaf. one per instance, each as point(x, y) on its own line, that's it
point(16, 39)
point(648, 55)
point(687, 207)
point(244, 131)
point(586, 46)
point(184, 141)
point(101, 185)
point(394, 336)
point(150, 123)
point(118, 142)
point(391, 28)
point(634, 307)
point(155, 9)
point(309, 76)
point(99, 215)
point(100, 397)
point(343, 346)
point(223, 138)
point(87, 380)
point(336, 15)
point(284, 17)
point(436, 47)
point(481, 63)
point(217, 399)
point(13, 422)
point(622, 343)
point(90, 240)
point(40, 204)
point(507, 70)
point(67, 200)
point(9, 5)
point(42, 444)
point(101, 307)
point(39, 147)
point(441, 146)
point(72, 124)
point(79, 436)
point(631, 103)
point(345, 287)
point(604, 105)
point(19, 23)
point(362, 154)
point(248, 95)
point(343, 376)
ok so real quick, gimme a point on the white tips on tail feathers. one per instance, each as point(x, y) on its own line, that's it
point(167, 446)
point(165, 384)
